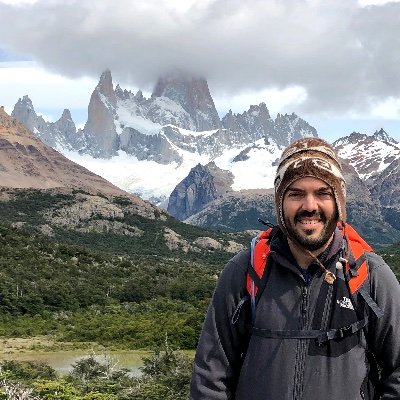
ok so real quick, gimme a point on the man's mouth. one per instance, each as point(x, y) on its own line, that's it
point(309, 222)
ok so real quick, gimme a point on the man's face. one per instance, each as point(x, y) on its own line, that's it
point(310, 212)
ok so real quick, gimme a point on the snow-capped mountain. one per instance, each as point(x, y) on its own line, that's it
point(148, 145)
point(369, 155)
point(173, 150)
point(26, 162)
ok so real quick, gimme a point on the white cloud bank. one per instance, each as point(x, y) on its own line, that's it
point(327, 58)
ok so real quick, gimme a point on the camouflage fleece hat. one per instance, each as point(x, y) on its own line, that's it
point(309, 157)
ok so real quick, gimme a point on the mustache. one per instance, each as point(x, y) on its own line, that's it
point(310, 214)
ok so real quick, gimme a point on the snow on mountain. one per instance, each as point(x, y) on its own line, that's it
point(128, 114)
point(369, 155)
point(148, 145)
point(149, 179)
point(256, 170)
point(155, 182)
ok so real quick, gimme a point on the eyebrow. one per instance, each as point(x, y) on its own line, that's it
point(320, 189)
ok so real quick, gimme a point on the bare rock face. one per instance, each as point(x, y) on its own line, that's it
point(148, 147)
point(91, 213)
point(66, 129)
point(237, 211)
point(385, 188)
point(290, 127)
point(25, 112)
point(202, 185)
point(100, 131)
point(61, 133)
point(256, 122)
point(193, 95)
point(364, 212)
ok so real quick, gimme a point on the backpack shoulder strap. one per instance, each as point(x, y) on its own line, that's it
point(256, 278)
point(357, 270)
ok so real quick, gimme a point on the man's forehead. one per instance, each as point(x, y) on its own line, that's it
point(309, 183)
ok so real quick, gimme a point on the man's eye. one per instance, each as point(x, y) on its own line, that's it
point(295, 194)
point(326, 194)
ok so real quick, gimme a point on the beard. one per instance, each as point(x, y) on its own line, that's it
point(306, 238)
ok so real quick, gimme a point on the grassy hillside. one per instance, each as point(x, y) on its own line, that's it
point(113, 226)
point(84, 295)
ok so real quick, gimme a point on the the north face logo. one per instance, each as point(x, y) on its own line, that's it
point(345, 303)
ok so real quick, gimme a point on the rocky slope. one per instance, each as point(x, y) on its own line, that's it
point(385, 189)
point(26, 162)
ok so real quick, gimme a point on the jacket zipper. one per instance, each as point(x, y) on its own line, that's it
point(302, 346)
point(327, 308)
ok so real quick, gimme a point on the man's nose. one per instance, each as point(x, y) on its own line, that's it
point(310, 203)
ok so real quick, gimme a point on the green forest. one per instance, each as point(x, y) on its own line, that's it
point(76, 295)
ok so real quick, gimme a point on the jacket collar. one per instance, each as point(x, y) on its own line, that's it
point(280, 246)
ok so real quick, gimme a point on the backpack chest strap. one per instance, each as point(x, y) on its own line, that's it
point(321, 336)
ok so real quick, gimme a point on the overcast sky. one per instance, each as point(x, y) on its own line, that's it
point(336, 63)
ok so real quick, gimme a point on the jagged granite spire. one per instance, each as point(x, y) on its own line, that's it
point(382, 135)
point(193, 94)
point(290, 127)
point(256, 122)
point(100, 131)
point(25, 112)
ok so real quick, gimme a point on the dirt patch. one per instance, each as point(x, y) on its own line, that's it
point(42, 343)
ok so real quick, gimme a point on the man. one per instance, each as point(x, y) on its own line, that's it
point(309, 337)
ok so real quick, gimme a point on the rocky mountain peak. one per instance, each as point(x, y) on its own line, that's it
point(27, 162)
point(203, 184)
point(122, 94)
point(261, 108)
point(25, 112)
point(256, 123)
point(290, 127)
point(383, 135)
point(66, 115)
point(100, 130)
point(368, 154)
point(105, 85)
point(193, 94)
point(25, 101)
point(139, 96)
point(67, 129)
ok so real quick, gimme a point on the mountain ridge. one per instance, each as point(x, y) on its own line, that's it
point(151, 146)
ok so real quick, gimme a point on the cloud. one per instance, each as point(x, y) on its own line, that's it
point(26, 78)
point(342, 54)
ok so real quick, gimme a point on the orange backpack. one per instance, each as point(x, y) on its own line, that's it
point(356, 268)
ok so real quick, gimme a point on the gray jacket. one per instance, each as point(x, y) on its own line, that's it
point(230, 363)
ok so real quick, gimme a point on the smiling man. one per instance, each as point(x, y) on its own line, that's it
point(310, 312)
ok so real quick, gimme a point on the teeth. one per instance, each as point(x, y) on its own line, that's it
point(309, 222)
